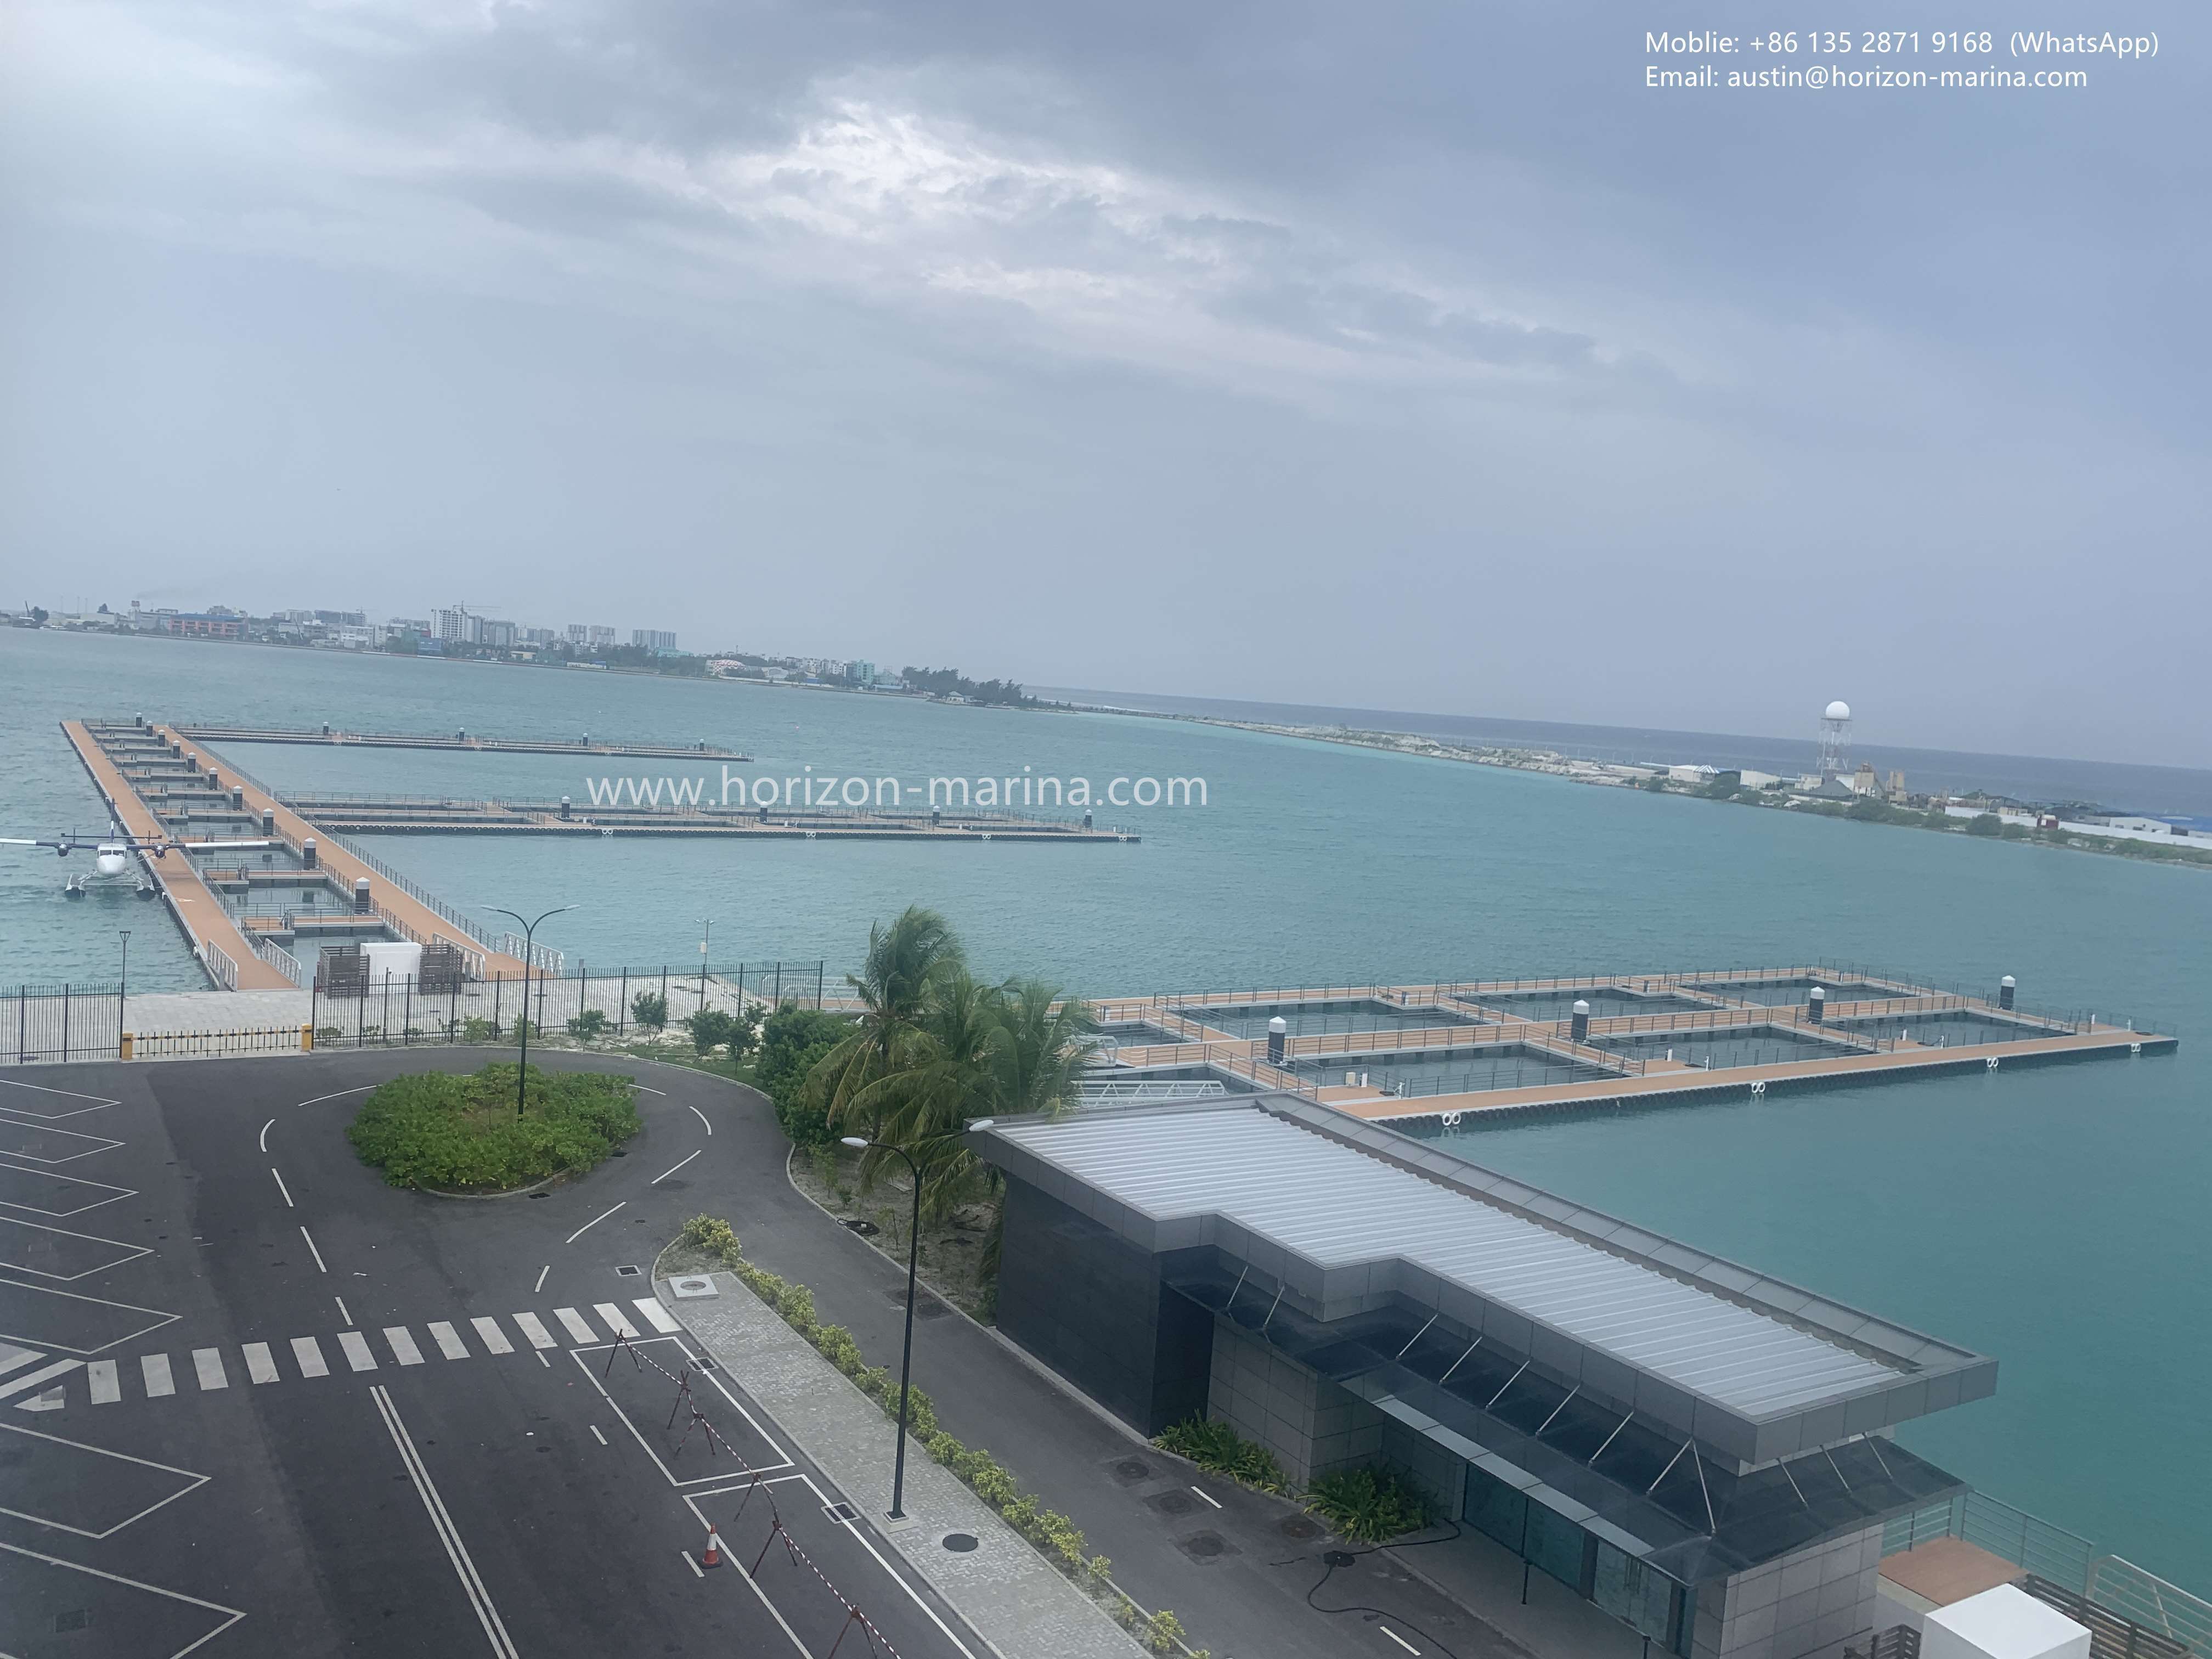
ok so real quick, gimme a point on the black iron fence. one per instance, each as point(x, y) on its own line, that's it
point(60, 1022)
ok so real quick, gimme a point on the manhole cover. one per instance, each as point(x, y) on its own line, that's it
point(841, 1511)
point(694, 1285)
point(960, 1543)
point(1300, 1526)
point(1173, 1502)
point(1207, 1546)
point(1338, 1558)
point(1132, 1468)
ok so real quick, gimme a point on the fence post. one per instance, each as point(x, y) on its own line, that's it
point(66, 1006)
point(779, 982)
point(622, 1002)
point(820, 966)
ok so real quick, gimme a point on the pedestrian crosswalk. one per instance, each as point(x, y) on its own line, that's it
point(33, 1381)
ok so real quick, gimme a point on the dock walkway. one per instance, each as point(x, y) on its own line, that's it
point(461, 739)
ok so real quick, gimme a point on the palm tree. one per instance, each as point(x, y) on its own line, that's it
point(904, 962)
point(1047, 1046)
point(943, 1075)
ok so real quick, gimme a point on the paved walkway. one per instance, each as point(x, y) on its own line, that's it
point(1025, 1607)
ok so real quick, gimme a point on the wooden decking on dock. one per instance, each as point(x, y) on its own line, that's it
point(196, 907)
point(460, 739)
point(407, 914)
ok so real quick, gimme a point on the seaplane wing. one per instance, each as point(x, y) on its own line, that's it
point(58, 846)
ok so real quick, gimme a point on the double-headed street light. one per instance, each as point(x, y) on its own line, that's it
point(529, 928)
point(862, 1143)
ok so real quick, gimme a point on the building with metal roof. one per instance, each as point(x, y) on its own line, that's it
point(1700, 1449)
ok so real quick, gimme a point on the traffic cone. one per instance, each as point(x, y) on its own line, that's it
point(713, 1556)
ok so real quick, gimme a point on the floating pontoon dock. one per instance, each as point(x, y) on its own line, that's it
point(1433, 1056)
point(463, 739)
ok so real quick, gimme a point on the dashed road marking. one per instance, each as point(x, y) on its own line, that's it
point(534, 1327)
point(155, 1369)
point(488, 1334)
point(207, 1364)
point(260, 1363)
point(616, 1320)
point(355, 1346)
point(448, 1340)
point(656, 1316)
point(402, 1344)
point(100, 1377)
point(307, 1354)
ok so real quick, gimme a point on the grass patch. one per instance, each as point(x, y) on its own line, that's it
point(460, 1133)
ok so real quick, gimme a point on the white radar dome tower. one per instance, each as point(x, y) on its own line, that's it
point(1835, 739)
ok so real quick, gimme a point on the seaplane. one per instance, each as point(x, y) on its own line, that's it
point(111, 855)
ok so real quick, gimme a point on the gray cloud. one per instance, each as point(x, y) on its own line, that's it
point(801, 312)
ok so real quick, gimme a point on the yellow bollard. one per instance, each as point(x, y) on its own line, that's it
point(127, 1041)
point(307, 1038)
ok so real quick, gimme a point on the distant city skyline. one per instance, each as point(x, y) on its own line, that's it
point(1417, 361)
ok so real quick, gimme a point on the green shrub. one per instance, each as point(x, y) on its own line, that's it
point(1368, 1504)
point(1985, 823)
point(588, 1025)
point(462, 1133)
point(649, 1009)
point(792, 1042)
point(1218, 1447)
point(476, 1028)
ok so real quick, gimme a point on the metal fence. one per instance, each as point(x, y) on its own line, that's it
point(2069, 1565)
point(60, 1022)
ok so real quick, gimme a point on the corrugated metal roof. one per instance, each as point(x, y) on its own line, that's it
point(1337, 1207)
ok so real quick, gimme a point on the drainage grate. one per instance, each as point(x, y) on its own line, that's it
point(627, 1270)
point(841, 1511)
point(958, 1542)
point(1131, 1468)
point(1172, 1503)
point(74, 1618)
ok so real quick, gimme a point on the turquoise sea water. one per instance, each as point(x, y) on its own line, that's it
point(2053, 1216)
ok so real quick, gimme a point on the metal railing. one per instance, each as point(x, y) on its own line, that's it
point(2070, 1566)
point(280, 958)
point(176, 1045)
point(219, 968)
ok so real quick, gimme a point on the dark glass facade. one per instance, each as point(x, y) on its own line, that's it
point(1090, 1305)
point(1632, 1591)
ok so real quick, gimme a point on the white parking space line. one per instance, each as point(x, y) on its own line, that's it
point(488, 1334)
point(694, 1565)
point(260, 1363)
point(615, 1319)
point(534, 1329)
point(578, 1326)
point(156, 1366)
point(307, 1354)
point(283, 1188)
point(100, 1377)
point(402, 1344)
point(1399, 1639)
point(356, 1351)
point(207, 1364)
point(656, 1316)
point(448, 1340)
point(593, 1223)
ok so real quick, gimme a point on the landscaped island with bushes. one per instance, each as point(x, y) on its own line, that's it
point(448, 1132)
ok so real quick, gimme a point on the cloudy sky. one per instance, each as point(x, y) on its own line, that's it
point(1413, 356)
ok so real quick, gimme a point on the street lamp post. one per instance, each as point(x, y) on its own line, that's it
point(529, 930)
point(913, 1249)
point(123, 990)
point(707, 922)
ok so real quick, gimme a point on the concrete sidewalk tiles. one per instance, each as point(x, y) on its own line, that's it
point(1017, 1600)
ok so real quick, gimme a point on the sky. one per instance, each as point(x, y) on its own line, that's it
point(1415, 356)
